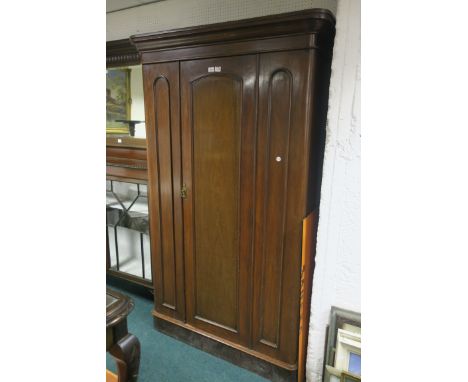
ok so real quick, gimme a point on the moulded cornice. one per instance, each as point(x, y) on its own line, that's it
point(311, 21)
point(121, 52)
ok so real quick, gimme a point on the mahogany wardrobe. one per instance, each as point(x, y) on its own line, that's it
point(235, 118)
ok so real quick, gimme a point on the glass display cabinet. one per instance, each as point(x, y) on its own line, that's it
point(128, 239)
point(127, 219)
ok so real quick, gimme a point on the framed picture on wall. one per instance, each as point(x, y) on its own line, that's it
point(118, 100)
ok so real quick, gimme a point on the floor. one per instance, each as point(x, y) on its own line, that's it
point(165, 359)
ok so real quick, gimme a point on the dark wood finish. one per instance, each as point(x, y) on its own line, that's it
point(232, 48)
point(125, 141)
point(126, 174)
point(236, 117)
point(124, 347)
point(316, 24)
point(218, 133)
point(126, 353)
point(121, 53)
point(309, 234)
point(132, 278)
point(226, 341)
point(126, 152)
point(282, 145)
point(161, 89)
point(126, 163)
point(242, 356)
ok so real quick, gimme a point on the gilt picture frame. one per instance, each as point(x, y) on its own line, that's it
point(118, 100)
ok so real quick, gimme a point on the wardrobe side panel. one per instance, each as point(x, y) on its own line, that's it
point(281, 183)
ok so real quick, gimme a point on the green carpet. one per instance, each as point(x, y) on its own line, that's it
point(165, 359)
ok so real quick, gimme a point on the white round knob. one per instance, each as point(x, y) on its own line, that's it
point(278, 159)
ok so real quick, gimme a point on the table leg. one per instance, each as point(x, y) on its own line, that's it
point(126, 353)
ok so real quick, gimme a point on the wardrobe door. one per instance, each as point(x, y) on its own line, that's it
point(218, 146)
point(161, 88)
point(281, 182)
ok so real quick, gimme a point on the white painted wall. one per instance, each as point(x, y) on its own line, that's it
point(337, 278)
point(337, 275)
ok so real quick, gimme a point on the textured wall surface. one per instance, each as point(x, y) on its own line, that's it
point(170, 14)
point(337, 278)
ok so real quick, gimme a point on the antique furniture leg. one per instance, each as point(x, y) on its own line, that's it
point(126, 352)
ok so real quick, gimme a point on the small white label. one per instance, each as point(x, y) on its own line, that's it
point(217, 68)
point(119, 140)
point(211, 69)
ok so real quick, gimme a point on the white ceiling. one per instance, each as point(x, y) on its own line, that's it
point(118, 5)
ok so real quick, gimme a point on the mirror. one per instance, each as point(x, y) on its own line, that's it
point(125, 111)
point(128, 252)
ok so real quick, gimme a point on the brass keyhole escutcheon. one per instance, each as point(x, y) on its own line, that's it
point(183, 191)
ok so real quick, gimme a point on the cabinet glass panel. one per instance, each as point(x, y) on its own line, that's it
point(128, 228)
